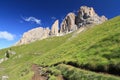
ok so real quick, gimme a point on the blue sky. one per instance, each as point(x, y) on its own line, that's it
point(19, 16)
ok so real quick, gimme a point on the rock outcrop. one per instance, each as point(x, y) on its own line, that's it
point(86, 15)
point(33, 35)
point(55, 28)
point(68, 24)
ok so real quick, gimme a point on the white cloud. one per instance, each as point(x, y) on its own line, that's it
point(53, 18)
point(6, 35)
point(33, 19)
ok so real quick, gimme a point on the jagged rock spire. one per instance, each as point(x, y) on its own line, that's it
point(55, 28)
point(68, 24)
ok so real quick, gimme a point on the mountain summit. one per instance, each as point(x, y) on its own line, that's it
point(86, 16)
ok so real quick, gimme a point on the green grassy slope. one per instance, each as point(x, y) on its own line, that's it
point(96, 49)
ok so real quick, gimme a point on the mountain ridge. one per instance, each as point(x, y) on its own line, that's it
point(86, 16)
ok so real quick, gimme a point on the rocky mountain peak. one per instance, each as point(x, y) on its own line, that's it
point(55, 27)
point(33, 35)
point(68, 24)
point(87, 15)
point(86, 12)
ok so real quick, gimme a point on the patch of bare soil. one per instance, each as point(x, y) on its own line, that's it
point(38, 73)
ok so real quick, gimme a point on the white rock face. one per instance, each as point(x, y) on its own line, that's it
point(55, 28)
point(33, 35)
point(86, 15)
point(68, 24)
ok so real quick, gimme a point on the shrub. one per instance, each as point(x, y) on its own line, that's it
point(52, 77)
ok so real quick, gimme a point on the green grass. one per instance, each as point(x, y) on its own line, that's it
point(71, 73)
point(96, 49)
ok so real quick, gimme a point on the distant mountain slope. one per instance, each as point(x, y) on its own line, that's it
point(93, 54)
